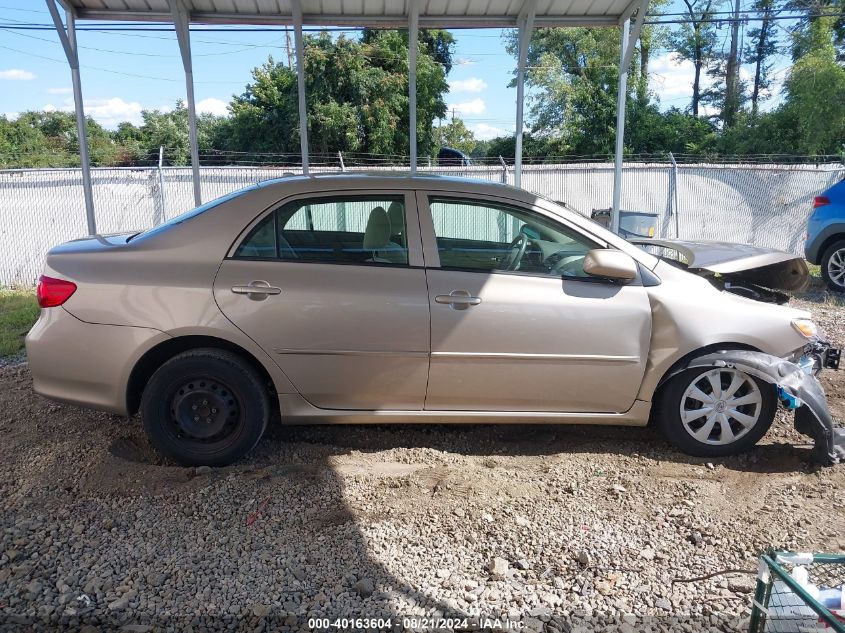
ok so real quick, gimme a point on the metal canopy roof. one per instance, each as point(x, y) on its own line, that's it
point(372, 13)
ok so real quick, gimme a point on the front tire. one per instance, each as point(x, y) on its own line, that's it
point(833, 266)
point(715, 412)
point(205, 407)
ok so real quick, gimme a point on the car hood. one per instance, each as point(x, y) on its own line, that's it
point(755, 264)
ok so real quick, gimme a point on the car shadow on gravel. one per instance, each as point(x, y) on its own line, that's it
point(97, 530)
point(537, 440)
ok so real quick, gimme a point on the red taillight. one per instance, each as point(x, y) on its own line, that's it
point(820, 201)
point(53, 292)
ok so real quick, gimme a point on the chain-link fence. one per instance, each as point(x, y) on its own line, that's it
point(760, 205)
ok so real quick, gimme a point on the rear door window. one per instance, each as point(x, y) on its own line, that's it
point(366, 230)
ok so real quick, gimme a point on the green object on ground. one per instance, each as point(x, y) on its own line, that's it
point(18, 312)
point(782, 604)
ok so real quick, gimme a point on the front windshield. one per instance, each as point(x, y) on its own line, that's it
point(184, 217)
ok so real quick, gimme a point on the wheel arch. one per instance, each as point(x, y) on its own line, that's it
point(828, 241)
point(159, 354)
point(681, 364)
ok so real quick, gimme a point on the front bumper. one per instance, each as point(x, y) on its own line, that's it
point(799, 390)
point(819, 355)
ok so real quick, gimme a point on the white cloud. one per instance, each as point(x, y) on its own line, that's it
point(484, 132)
point(671, 79)
point(59, 91)
point(11, 116)
point(475, 106)
point(16, 74)
point(110, 112)
point(217, 107)
point(464, 61)
point(471, 84)
point(106, 112)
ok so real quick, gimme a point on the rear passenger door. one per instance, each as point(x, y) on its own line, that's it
point(333, 288)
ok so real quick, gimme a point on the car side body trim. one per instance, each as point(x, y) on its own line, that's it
point(581, 358)
point(350, 352)
point(297, 410)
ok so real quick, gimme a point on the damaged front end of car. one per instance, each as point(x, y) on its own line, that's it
point(754, 272)
point(798, 389)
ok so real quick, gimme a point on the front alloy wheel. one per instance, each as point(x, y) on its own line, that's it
point(715, 412)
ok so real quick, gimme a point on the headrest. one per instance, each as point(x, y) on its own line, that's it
point(396, 214)
point(377, 233)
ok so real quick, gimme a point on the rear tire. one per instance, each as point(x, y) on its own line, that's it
point(205, 407)
point(715, 412)
point(833, 266)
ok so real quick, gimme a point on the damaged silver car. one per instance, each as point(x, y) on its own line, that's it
point(363, 299)
point(762, 274)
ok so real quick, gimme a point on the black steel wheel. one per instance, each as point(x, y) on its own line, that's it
point(205, 407)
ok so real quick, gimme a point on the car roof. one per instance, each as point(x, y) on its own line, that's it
point(397, 180)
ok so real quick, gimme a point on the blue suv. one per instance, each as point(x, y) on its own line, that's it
point(826, 236)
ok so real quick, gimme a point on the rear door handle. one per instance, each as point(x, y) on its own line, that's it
point(458, 299)
point(257, 290)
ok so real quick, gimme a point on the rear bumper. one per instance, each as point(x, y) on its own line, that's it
point(83, 363)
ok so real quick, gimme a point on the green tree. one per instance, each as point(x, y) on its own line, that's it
point(356, 97)
point(695, 40)
point(61, 141)
point(454, 134)
point(650, 131)
point(170, 130)
point(815, 91)
point(762, 46)
point(22, 145)
point(651, 37)
point(575, 74)
point(439, 44)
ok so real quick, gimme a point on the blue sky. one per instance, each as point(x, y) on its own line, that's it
point(123, 73)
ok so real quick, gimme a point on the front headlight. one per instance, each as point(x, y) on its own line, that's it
point(805, 327)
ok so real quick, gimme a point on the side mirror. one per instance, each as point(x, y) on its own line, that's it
point(610, 264)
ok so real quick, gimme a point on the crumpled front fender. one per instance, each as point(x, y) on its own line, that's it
point(812, 416)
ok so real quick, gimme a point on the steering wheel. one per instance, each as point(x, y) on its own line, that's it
point(517, 249)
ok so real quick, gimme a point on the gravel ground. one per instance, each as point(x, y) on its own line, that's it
point(555, 527)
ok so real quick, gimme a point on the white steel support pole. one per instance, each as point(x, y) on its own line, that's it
point(68, 40)
point(621, 102)
point(525, 24)
point(413, 45)
point(182, 24)
point(300, 83)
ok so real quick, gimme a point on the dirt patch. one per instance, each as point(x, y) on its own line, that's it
point(393, 520)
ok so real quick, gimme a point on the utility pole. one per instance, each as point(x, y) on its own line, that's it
point(289, 48)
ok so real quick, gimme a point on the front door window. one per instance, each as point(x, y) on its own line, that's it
point(488, 237)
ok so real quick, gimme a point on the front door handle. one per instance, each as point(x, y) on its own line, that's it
point(257, 290)
point(458, 299)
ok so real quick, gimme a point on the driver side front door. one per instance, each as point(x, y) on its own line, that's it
point(535, 334)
